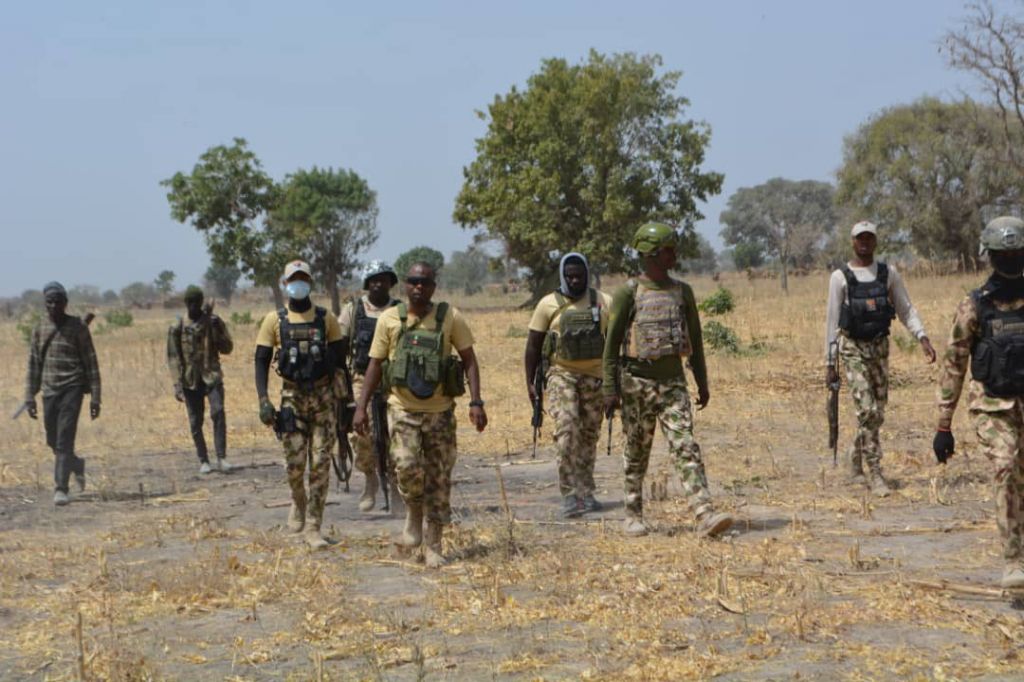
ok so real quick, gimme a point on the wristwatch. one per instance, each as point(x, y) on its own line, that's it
point(476, 403)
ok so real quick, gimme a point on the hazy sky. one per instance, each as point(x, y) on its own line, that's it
point(102, 100)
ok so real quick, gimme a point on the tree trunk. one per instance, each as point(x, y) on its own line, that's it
point(785, 270)
point(278, 296)
point(332, 289)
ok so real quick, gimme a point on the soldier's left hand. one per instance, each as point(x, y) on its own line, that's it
point(929, 350)
point(94, 410)
point(478, 416)
point(703, 396)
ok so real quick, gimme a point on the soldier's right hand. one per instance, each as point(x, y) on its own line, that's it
point(266, 411)
point(611, 403)
point(831, 375)
point(943, 445)
point(360, 422)
point(179, 393)
point(30, 407)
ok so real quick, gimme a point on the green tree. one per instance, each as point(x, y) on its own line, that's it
point(418, 253)
point(704, 262)
point(138, 294)
point(109, 297)
point(787, 219)
point(222, 280)
point(747, 255)
point(931, 173)
point(228, 197)
point(581, 157)
point(327, 217)
point(164, 282)
point(467, 270)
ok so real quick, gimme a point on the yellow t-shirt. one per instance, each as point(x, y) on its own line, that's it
point(546, 317)
point(270, 329)
point(385, 346)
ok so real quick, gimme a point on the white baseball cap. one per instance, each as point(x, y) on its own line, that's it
point(294, 267)
point(864, 226)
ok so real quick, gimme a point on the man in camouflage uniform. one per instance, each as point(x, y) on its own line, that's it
point(193, 356)
point(357, 321)
point(988, 333)
point(567, 329)
point(309, 350)
point(62, 362)
point(864, 296)
point(654, 325)
point(417, 340)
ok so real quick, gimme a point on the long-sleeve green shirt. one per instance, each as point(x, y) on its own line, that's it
point(668, 367)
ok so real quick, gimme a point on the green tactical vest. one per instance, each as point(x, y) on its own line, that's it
point(419, 363)
point(579, 331)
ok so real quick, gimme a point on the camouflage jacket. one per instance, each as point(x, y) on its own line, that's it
point(957, 358)
point(194, 349)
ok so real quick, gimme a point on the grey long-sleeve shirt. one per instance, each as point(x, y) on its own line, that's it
point(898, 294)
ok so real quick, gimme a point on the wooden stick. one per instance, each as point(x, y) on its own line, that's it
point(288, 503)
point(965, 588)
point(81, 647)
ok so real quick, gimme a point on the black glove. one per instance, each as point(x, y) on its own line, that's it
point(267, 412)
point(943, 445)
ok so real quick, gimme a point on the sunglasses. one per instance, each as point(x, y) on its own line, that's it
point(419, 281)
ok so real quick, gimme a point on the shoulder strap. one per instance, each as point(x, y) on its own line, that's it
point(883, 274)
point(360, 309)
point(440, 314)
point(851, 279)
point(595, 312)
point(46, 344)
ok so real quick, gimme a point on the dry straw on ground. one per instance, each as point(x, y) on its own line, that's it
point(194, 578)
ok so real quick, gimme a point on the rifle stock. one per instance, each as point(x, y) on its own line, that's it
point(832, 404)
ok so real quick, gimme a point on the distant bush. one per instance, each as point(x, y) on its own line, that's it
point(515, 332)
point(720, 337)
point(241, 318)
point(27, 323)
point(718, 303)
point(118, 318)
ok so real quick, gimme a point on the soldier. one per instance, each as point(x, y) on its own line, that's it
point(568, 326)
point(193, 356)
point(308, 342)
point(62, 362)
point(863, 298)
point(416, 340)
point(654, 325)
point(358, 320)
point(988, 330)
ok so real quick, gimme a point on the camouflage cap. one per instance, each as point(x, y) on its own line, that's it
point(378, 267)
point(193, 293)
point(295, 267)
point(652, 236)
point(1005, 233)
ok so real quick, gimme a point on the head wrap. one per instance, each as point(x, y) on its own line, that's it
point(54, 288)
point(568, 258)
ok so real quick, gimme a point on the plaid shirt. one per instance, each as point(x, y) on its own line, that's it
point(70, 359)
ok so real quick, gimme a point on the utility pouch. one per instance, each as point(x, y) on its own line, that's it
point(454, 377)
point(286, 422)
point(417, 383)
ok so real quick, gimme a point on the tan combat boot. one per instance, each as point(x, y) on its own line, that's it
point(856, 470)
point(312, 535)
point(711, 524)
point(296, 518)
point(877, 484)
point(412, 534)
point(432, 555)
point(369, 497)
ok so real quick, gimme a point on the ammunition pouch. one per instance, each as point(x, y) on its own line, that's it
point(419, 364)
point(997, 359)
point(285, 422)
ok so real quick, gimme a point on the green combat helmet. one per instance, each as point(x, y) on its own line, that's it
point(652, 236)
point(1005, 233)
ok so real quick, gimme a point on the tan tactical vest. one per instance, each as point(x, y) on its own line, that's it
point(658, 328)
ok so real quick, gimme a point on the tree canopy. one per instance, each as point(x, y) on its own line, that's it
point(930, 174)
point(787, 219)
point(327, 217)
point(581, 157)
point(222, 280)
point(164, 282)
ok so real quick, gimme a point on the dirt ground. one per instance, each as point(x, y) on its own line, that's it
point(173, 575)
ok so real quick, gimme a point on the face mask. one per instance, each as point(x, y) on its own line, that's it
point(297, 290)
point(1007, 265)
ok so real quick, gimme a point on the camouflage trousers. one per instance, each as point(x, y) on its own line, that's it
point(644, 403)
point(423, 448)
point(312, 441)
point(867, 372)
point(575, 404)
point(362, 446)
point(1002, 440)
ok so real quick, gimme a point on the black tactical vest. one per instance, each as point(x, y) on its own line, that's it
point(866, 313)
point(304, 357)
point(997, 358)
point(363, 327)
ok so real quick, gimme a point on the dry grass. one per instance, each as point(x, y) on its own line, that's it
point(201, 583)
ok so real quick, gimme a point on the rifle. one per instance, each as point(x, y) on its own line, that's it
point(342, 459)
point(610, 418)
point(87, 319)
point(832, 404)
point(379, 411)
point(537, 421)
